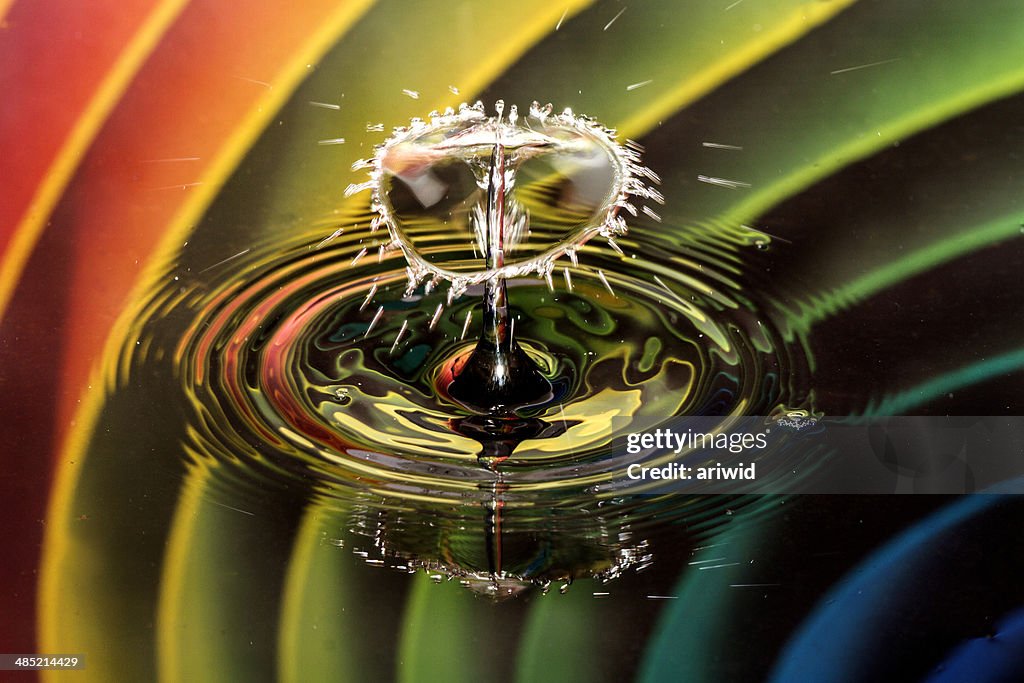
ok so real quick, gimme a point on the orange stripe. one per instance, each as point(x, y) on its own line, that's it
point(213, 69)
point(57, 89)
point(4, 6)
point(202, 99)
point(63, 68)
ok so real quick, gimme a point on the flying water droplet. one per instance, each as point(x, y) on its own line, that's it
point(357, 257)
point(369, 297)
point(373, 323)
point(650, 212)
point(398, 337)
point(436, 316)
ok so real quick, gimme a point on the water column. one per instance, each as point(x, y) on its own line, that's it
point(498, 376)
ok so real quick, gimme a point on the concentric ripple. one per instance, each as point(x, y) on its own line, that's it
point(298, 363)
point(311, 366)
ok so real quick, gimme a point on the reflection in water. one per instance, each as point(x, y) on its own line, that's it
point(500, 554)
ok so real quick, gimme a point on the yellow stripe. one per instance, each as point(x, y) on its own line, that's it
point(800, 21)
point(175, 569)
point(498, 56)
point(4, 6)
point(307, 540)
point(26, 235)
point(176, 561)
point(834, 158)
point(57, 542)
point(82, 134)
point(492, 61)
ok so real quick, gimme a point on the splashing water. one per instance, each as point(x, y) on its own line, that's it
point(332, 370)
point(466, 179)
point(565, 180)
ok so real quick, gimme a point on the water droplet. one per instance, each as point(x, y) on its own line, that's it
point(373, 323)
point(650, 212)
point(357, 257)
point(538, 112)
point(398, 337)
point(369, 296)
point(437, 316)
